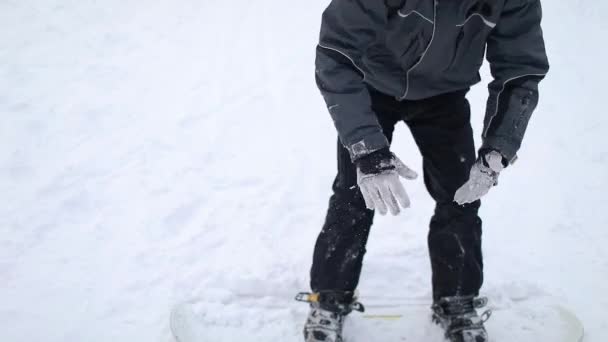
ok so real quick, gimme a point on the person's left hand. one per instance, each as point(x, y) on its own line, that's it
point(483, 176)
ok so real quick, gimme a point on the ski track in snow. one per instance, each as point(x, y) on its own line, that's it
point(152, 153)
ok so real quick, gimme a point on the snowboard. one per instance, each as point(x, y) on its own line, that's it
point(398, 320)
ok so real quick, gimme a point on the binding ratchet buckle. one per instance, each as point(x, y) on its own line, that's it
point(346, 302)
point(307, 297)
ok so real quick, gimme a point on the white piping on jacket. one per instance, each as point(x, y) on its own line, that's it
point(485, 21)
point(504, 85)
point(345, 55)
point(416, 12)
point(407, 74)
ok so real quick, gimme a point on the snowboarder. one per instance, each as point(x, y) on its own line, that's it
point(380, 62)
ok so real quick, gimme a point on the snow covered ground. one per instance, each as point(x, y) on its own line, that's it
point(154, 152)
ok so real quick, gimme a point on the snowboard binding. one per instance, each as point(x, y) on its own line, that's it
point(459, 319)
point(328, 309)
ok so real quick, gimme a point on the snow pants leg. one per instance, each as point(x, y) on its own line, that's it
point(441, 128)
point(340, 247)
point(444, 137)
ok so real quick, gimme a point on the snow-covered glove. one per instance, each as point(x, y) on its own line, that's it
point(378, 179)
point(483, 176)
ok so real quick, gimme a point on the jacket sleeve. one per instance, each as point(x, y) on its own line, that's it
point(518, 62)
point(347, 28)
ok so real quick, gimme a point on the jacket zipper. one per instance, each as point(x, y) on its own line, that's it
point(525, 103)
point(407, 74)
point(458, 41)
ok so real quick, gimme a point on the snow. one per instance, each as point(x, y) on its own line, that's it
point(154, 152)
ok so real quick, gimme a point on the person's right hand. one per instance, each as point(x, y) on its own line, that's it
point(378, 179)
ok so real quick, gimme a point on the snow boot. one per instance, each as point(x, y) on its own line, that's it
point(328, 309)
point(459, 319)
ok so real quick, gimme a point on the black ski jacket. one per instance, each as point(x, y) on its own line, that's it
point(416, 49)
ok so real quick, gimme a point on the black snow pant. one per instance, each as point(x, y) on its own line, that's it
point(442, 130)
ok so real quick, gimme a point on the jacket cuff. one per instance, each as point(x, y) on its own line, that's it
point(506, 147)
point(367, 145)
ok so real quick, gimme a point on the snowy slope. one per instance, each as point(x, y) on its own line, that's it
point(154, 152)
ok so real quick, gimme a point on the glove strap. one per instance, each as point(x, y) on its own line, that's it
point(376, 162)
